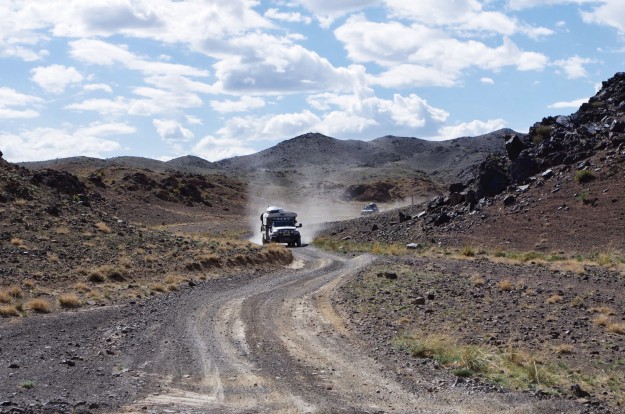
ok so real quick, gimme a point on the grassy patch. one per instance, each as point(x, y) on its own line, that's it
point(584, 176)
point(27, 384)
point(350, 246)
point(8, 310)
point(553, 299)
point(103, 227)
point(467, 251)
point(39, 305)
point(69, 301)
point(510, 368)
point(505, 285)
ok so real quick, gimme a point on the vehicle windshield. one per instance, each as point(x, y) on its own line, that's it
point(284, 222)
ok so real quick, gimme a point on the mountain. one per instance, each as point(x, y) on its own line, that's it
point(313, 149)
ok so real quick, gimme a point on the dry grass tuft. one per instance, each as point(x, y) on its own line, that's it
point(553, 299)
point(62, 230)
point(5, 297)
point(602, 320)
point(39, 305)
point(577, 302)
point(8, 310)
point(172, 287)
point(477, 280)
point(29, 283)
point(158, 287)
point(604, 310)
point(69, 301)
point(468, 251)
point(15, 291)
point(82, 287)
point(20, 202)
point(618, 328)
point(113, 273)
point(15, 241)
point(505, 285)
point(103, 227)
point(564, 349)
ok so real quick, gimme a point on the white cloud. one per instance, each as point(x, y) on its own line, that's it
point(214, 149)
point(272, 65)
point(269, 127)
point(242, 105)
point(464, 15)
point(49, 143)
point(98, 52)
point(487, 81)
point(193, 120)
point(276, 14)
point(409, 75)
point(172, 131)
point(326, 11)
point(470, 129)
point(608, 12)
point(393, 44)
point(574, 104)
point(98, 87)
point(10, 99)
point(55, 78)
point(573, 67)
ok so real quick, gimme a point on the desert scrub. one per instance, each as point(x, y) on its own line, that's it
point(103, 227)
point(69, 301)
point(15, 291)
point(584, 176)
point(505, 285)
point(5, 297)
point(564, 349)
point(468, 251)
point(8, 310)
point(553, 299)
point(38, 305)
point(477, 280)
point(158, 287)
point(541, 133)
point(618, 328)
point(113, 273)
point(507, 367)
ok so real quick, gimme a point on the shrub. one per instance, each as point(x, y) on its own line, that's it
point(69, 301)
point(82, 287)
point(27, 384)
point(602, 320)
point(103, 227)
point(553, 299)
point(8, 310)
point(605, 310)
point(467, 251)
point(577, 301)
point(17, 241)
point(96, 276)
point(159, 287)
point(564, 349)
point(618, 328)
point(38, 305)
point(542, 132)
point(477, 280)
point(505, 285)
point(15, 291)
point(584, 176)
point(5, 297)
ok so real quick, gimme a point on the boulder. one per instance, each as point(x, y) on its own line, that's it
point(455, 199)
point(514, 146)
point(509, 200)
point(61, 181)
point(492, 178)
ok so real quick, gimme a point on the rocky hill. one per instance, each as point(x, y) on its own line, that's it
point(560, 188)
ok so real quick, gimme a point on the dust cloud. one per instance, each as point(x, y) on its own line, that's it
point(314, 204)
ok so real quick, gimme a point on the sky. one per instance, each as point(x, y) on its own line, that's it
point(222, 78)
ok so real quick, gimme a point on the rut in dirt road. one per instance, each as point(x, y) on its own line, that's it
point(268, 343)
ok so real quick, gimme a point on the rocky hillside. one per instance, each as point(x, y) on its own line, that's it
point(67, 242)
point(561, 187)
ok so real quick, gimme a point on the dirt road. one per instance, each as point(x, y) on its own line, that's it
point(264, 343)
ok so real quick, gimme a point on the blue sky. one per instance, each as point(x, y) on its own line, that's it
point(220, 78)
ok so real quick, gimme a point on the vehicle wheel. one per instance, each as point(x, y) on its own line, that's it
point(299, 242)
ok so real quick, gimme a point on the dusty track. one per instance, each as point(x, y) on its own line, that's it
point(248, 344)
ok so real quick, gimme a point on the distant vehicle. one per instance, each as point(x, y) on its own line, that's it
point(279, 226)
point(369, 209)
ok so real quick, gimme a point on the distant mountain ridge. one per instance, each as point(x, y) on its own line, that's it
point(445, 158)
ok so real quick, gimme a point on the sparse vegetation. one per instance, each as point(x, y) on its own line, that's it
point(541, 133)
point(69, 301)
point(505, 285)
point(27, 384)
point(477, 280)
point(618, 328)
point(103, 227)
point(8, 310)
point(38, 305)
point(158, 287)
point(564, 349)
point(15, 291)
point(468, 251)
point(553, 299)
point(584, 176)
